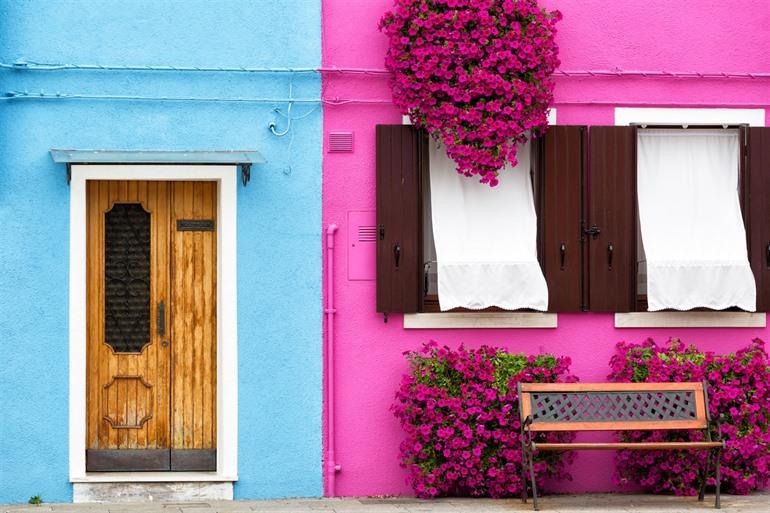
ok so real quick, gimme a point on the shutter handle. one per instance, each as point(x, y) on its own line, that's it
point(426, 283)
point(382, 232)
point(397, 253)
point(610, 250)
point(562, 254)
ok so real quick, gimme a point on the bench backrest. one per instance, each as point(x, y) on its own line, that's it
point(613, 406)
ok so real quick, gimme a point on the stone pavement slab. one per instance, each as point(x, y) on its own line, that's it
point(583, 503)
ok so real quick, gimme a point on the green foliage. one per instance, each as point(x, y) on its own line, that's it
point(36, 500)
point(639, 358)
point(437, 372)
point(507, 365)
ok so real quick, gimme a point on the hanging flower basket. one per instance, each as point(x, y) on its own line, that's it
point(476, 74)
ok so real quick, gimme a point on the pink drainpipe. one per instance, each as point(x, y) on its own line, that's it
point(331, 466)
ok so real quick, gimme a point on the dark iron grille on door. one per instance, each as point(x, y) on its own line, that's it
point(127, 278)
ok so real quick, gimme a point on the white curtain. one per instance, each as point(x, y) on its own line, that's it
point(691, 222)
point(485, 238)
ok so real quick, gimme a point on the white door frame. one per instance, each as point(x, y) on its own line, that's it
point(227, 342)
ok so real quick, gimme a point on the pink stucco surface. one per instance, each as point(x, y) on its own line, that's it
point(654, 35)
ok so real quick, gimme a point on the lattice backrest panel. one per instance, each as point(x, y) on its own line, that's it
point(614, 409)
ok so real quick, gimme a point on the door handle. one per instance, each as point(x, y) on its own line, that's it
point(562, 255)
point(610, 250)
point(397, 254)
point(161, 319)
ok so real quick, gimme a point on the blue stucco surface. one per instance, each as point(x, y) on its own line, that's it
point(279, 213)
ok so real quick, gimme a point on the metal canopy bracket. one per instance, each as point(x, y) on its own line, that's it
point(243, 159)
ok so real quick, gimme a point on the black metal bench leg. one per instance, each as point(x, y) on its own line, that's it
point(524, 479)
point(523, 470)
point(532, 477)
point(718, 465)
point(704, 477)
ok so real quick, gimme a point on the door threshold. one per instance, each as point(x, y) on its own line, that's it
point(151, 460)
point(167, 491)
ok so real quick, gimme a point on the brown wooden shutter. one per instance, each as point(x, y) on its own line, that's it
point(610, 230)
point(560, 209)
point(757, 206)
point(401, 158)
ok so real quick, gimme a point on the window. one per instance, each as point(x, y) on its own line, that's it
point(691, 238)
point(480, 243)
point(585, 192)
point(406, 264)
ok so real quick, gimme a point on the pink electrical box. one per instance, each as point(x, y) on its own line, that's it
point(362, 245)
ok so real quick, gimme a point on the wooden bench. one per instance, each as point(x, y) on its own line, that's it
point(614, 407)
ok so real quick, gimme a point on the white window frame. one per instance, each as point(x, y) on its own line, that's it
point(625, 116)
point(227, 341)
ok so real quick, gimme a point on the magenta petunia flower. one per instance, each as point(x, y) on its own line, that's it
point(739, 390)
point(453, 57)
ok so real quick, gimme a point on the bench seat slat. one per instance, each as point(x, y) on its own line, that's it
point(616, 425)
point(639, 446)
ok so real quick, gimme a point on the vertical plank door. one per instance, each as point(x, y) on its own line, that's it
point(151, 326)
point(127, 365)
point(194, 328)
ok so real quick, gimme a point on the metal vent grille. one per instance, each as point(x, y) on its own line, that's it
point(340, 142)
point(367, 234)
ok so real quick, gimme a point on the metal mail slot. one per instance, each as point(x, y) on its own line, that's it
point(195, 225)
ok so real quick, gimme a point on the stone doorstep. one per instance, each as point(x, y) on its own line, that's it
point(174, 494)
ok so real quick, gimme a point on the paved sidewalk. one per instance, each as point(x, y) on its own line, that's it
point(604, 503)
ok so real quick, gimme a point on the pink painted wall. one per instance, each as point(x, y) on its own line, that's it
point(688, 35)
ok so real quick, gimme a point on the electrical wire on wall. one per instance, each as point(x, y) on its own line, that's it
point(24, 65)
point(289, 120)
point(32, 66)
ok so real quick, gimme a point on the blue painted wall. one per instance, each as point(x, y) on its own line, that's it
point(279, 239)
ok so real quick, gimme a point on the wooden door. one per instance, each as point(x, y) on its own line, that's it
point(193, 295)
point(151, 326)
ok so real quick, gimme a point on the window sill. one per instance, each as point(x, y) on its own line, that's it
point(691, 320)
point(460, 320)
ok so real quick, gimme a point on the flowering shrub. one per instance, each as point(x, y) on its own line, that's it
point(475, 73)
point(739, 388)
point(460, 411)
